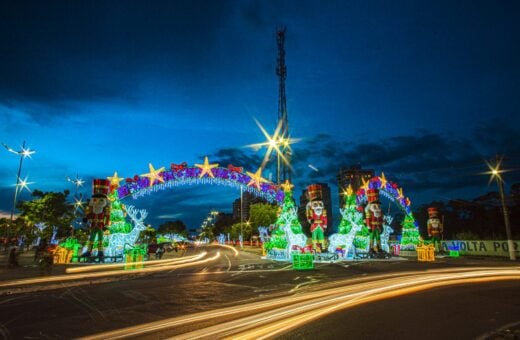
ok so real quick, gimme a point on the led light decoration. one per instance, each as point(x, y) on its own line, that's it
point(182, 175)
point(410, 234)
point(288, 234)
point(351, 223)
point(118, 241)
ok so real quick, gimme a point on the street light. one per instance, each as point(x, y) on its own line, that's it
point(78, 201)
point(495, 172)
point(23, 153)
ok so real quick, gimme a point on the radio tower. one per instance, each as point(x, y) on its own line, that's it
point(281, 71)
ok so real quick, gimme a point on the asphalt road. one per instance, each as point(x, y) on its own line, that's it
point(94, 305)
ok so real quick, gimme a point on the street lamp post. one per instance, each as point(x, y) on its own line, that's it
point(22, 153)
point(78, 201)
point(241, 218)
point(495, 172)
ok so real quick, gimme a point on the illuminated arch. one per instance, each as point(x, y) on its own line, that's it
point(182, 174)
point(388, 189)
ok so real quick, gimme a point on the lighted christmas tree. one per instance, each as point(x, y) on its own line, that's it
point(288, 230)
point(350, 213)
point(118, 223)
point(410, 235)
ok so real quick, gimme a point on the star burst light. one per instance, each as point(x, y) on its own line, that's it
point(495, 171)
point(24, 184)
point(276, 142)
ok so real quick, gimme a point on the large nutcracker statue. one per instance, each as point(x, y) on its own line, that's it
point(374, 220)
point(434, 228)
point(97, 214)
point(317, 217)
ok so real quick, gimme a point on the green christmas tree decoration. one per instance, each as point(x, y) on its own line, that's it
point(288, 215)
point(118, 223)
point(410, 235)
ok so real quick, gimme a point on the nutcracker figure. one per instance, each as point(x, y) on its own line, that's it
point(317, 217)
point(374, 219)
point(434, 228)
point(97, 214)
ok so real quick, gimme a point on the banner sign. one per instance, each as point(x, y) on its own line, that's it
point(482, 248)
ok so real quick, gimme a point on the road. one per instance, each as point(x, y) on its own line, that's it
point(228, 295)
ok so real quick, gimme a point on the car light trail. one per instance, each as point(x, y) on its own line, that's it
point(272, 317)
point(106, 273)
point(96, 267)
point(229, 247)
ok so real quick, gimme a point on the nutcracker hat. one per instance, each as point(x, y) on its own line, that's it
point(373, 196)
point(100, 187)
point(315, 192)
point(433, 212)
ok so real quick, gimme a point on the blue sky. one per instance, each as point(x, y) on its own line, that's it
point(424, 91)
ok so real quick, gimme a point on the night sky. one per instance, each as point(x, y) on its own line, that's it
point(424, 91)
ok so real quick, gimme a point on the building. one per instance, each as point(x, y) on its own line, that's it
point(321, 190)
point(354, 176)
point(248, 199)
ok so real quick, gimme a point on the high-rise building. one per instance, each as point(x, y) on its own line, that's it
point(320, 190)
point(248, 199)
point(354, 176)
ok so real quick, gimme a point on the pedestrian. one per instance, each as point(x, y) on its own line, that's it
point(13, 257)
point(159, 252)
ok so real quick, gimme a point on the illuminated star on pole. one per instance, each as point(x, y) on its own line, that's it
point(154, 175)
point(114, 180)
point(287, 186)
point(206, 168)
point(256, 178)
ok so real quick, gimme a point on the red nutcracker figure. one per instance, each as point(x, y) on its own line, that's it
point(374, 219)
point(317, 217)
point(435, 228)
point(97, 214)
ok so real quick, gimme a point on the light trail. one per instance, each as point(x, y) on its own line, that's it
point(96, 267)
point(229, 247)
point(273, 317)
point(106, 273)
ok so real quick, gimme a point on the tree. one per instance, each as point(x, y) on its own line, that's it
point(262, 215)
point(50, 208)
point(173, 227)
point(410, 236)
point(244, 229)
point(148, 235)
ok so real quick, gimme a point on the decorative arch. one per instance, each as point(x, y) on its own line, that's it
point(206, 173)
point(388, 189)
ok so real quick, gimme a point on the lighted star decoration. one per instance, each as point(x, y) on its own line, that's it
point(256, 178)
point(400, 192)
point(349, 191)
point(287, 186)
point(383, 180)
point(114, 180)
point(206, 168)
point(364, 184)
point(154, 175)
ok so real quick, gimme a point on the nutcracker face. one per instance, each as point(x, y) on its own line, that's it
point(435, 222)
point(375, 208)
point(97, 204)
point(317, 207)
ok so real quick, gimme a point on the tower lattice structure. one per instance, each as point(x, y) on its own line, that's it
point(284, 171)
